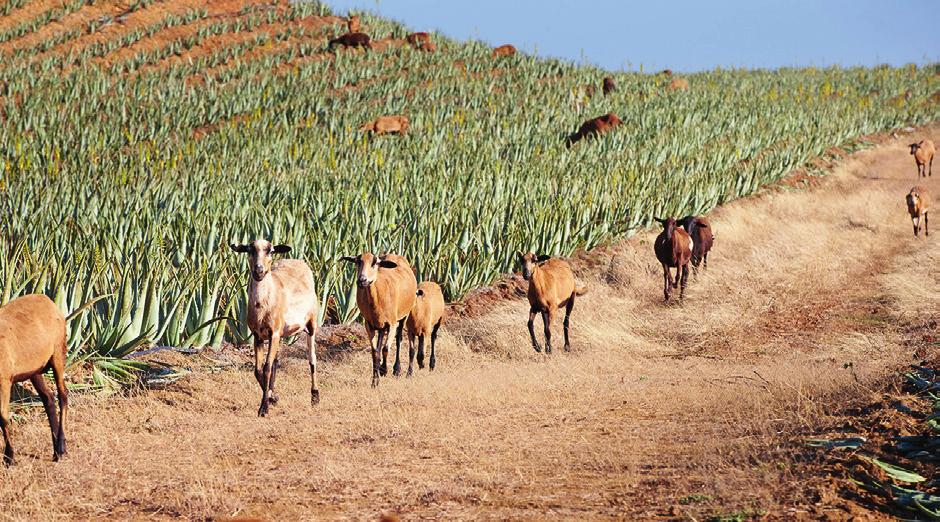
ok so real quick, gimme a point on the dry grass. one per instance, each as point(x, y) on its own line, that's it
point(655, 404)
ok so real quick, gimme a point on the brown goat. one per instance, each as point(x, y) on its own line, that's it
point(673, 248)
point(700, 230)
point(282, 301)
point(918, 204)
point(425, 319)
point(504, 50)
point(416, 39)
point(593, 127)
point(923, 152)
point(352, 24)
point(387, 125)
point(679, 84)
point(551, 286)
point(352, 40)
point(32, 340)
point(386, 293)
point(609, 86)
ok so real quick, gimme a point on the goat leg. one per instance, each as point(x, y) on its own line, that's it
point(535, 342)
point(396, 370)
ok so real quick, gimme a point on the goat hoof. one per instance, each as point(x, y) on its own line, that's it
point(314, 397)
point(263, 410)
point(537, 348)
point(396, 371)
point(567, 347)
point(383, 370)
point(273, 399)
point(421, 364)
point(432, 364)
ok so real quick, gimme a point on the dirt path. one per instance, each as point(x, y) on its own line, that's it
point(660, 411)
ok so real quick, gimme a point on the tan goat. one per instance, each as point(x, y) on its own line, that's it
point(352, 24)
point(551, 286)
point(504, 50)
point(918, 204)
point(425, 319)
point(386, 292)
point(679, 84)
point(386, 125)
point(282, 301)
point(32, 340)
point(923, 152)
point(416, 39)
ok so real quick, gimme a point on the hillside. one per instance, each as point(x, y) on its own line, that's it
point(139, 139)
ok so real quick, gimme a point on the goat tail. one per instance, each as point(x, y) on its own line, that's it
point(580, 290)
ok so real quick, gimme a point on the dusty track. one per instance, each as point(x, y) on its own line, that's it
point(655, 403)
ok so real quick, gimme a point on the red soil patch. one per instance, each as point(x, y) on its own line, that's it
point(28, 12)
point(77, 20)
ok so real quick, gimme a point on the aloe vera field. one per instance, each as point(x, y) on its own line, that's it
point(139, 139)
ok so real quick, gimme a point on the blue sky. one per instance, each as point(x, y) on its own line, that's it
point(685, 35)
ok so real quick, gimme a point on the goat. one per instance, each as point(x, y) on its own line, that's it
point(551, 286)
point(923, 152)
point(504, 50)
point(32, 340)
point(425, 319)
point(918, 204)
point(593, 127)
point(608, 85)
point(351, 40)
point(417, 39)
point(352, 24)
point(282, 301)
point(679, 84)
point(700, 230)
point(428, 47)
point(386, 293)
point(386, 125)
point(673, 248)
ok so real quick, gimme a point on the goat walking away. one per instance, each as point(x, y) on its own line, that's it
point(32, 340)
point(918, 206)
point(282, 301)
point(703, 237)
point(551, 286)
point(425, 319)
point(673, 248)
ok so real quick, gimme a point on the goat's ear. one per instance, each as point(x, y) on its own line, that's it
point(385, 263)
point(419, 293)
point(543, 258)
point(241, 249)
point(281, 249)
point(520, 255)
point(348, 259)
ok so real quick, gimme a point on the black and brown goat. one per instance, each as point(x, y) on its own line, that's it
point(673, 248)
